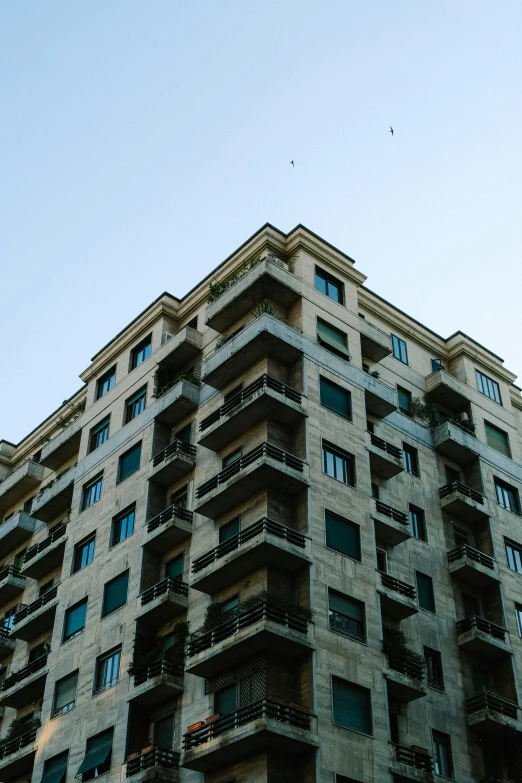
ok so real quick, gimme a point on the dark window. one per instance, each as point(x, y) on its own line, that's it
point(193, 323)
point(404, 398)
point(382, 561)
point(129, 462)
point(329, 285)
point(514, 556)
point(18, 560)
point(91, 492)
point(174, 568)
point(55, 768)
point(518, 612)
point(436, 364)
point(229, 530)
point(497, 439)
point(232, 457)
point(135, 405)
point(400, 351)
point(225, 700)
point(346, 615)
point(65, 694)
point(184, 434)
point(332, 338)
point(141, 352)
point(28, 505)
point(370, 426)
point(338, 464)
point(442, 757)
point(507, 496)
point(38, 651)
point(97, 756)
point(342, 535)
point(163, 732)
point(45, 588)
point(351, 706)
point(344, 779)
point(335, 398)
point(488, 387)
point(74, 621)
point(180, 498)
point(122, 526)
point(425, 592)
point(451, 474)
point(410, 458)
point(417, 523)
point(99, 434)
point(375, 491)
point(115, 593)
point(470, 605)
point(106, 382)
point(83, 554)
point(434, 675)
point(461, 536)
point(107, 670)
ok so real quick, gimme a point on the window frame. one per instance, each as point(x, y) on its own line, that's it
point(402, 350)
point(87, 487)
point(130, 405)
point(329, 279)
point(485, 382)
point(90, 539)
point(100, 660)
point(357, 529)
point(347, 459)
point(502, 485)
point(450, 774)
point(105, 613)
point(405, 411)
point(337, 350)
point(103, 426)
point(408, 451)
point(509, 544)
point(356, 636)
point(327, 381)
point(437, 656)
point(427, 576)
point(488, 426)
point(100, 382)
point(118, 518)
point(518, 617)
point(136, 447)
point(139, 348)
point(66, 615)
point(420, 514)
point(70, 705)
point(356, 686)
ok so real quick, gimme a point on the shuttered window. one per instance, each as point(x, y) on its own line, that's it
point(97, 757)
point(115, 593)
point(129, 462)
point(497, 439)
point(174, 568)
point(332, 338)
point(74, 622)
point(225, 700)
point(342, 535)
point(425, 592)
point(65, 694)
point(335, 398)
point(351, 706)
point(55, 768)
point(346, 615)
point(404, 400)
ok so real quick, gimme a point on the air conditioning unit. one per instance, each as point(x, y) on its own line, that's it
point(165, 337)
point(463, 418)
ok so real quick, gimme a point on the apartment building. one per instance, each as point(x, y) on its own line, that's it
point(276, 536)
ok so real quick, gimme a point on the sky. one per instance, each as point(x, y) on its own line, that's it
point(143, 142)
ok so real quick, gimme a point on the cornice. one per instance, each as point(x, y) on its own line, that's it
point(303, 239)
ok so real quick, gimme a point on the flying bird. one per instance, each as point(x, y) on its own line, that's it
point(292, 162)
point(391, 130)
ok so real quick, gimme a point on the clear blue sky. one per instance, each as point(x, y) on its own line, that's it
point(142, 142)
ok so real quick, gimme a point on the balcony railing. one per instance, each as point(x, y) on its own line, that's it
point(264, 525)
point(404, 666)
point(473, 554)
point(347, 626)
point(45, 544)
point(413, 758)
point(160, 757)
point(167, 585)
point(14, 745)
point(264, 708)
point(8, 571)
point(5, 633)
point(462, 489)
point(475, 623)
point(393, 451)
point(392, 513)
point(169, 513)
point(27, 609)
point(408, 591)
point(263, 450)
point(489, 699)
point(175, 449)
point(26, 671)
point(265, 610)
point(173, 666)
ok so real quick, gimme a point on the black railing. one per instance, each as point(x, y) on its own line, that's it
point(26, 671)
point(8, 571)
point(489, 699)
point(404, 666)
point(462, 489)
point(28, 609)
point(408, 591)
point(347, 626)
point(414, 758)
point(175, 449)
point(264, 525)
point(473, 554)
point(264, 708)
point(7, 748)
point(263, 450)
point(167, 585)
point(169, 513)
point(474, 623)
point(393, 451)
point(37, 548)
point(388, 511)
point(5, 633)
point(265, 610)
point(64, 708)
point(160, 757)
point(164, 665)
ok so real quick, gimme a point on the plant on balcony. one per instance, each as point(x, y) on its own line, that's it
point(395, 645)
point(430, 415)
point(71, 415)
point(146, 657)
point(215, 288)
point(165, 377)
point(214, 618)
point(264, 307)
point(18, 727)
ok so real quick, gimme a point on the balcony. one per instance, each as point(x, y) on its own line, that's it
point(179, 349)
point(380, 397)
point(20, 483)
point(455, 441)
point(17, 755)
point(473, 567)
point(265, 398)
point(265, 467)
point(482, 638)
point(491, 712)
point(264, 543)
point(7, 644)
point(33, 619)
point(176, 403)
point(263, 726)
point(15, 531)
point(44, 557)
point(173, 462)
point(375, 344)
point(56, 497)
point(157, 764)
point(404, 679)
point(25, 685)
point(162, 602)
point(391, 526)
point(63, 447)
point(12, 583)
point(169, 528)
point(159, 682)
point(266, 626)
point(264, 336)
point(385, 459)
point(448, 391)
point(463, 502)
point(397, 598)
point(412, 763)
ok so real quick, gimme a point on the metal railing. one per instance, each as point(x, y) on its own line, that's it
point(169, 513)
point(408, 591)
point(413, 758)
point(104, 686)
point(161, 757)
point(489, 699)
point(262, 383)
point(164, 665)
point(8, 571)
point(402, 665)
point(265, 610)
point(174, 449)
point(167, 585)
point(12, 746)
point(263, 450)
point(468, 428)
point(462, 489)
point(347, 626)
point(5, 633)
point(464, 550)
point(393, 451)
point(264, 708)
point(26, 671)
point(37, 548)
point(63, 709)
point(475, 623)
point(388, 511)
point(264, 525)
point(28, 609)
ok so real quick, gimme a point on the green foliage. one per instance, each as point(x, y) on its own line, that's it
point(217, 288)
point(395, 644)
point(18, 727)
point(153, 649)
point(166, 377)
point(265, 307)
point(426, 411)
point(214, 617)
point(71, 414)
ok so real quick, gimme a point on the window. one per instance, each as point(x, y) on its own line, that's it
point(351, 706)
point(45, 588)
point(28, 505)
point(230, 606)
point(400, 351)
point(452, 475)
point(338, 464)
point(417, 523)
point(346, 615)
point(163, 732)
point(180, 498)
point(434, 674)
point(65, 694)
point(141, 352)
point(410, 458)
point(107, 670)
point(99, 434)
point(329, 285)
point(507, 496)
point(83, 554)
point(122, 526)
point(18, 560)
point(106, 382)
point(193, 323)
point(332, 338)
point(229, 530)
point(471, 605)
point(382, 561)
point(38, 651)
point(174, 568)
point(488, 387)
point(497, 439)
point(518, 612)
point(375, 491)
point(442, 758)
point(129, 462)
point(98, 754)
point(232, 457)
point(184, 433)
point(514, 556)
point(115, 593)
point(225, 700)
point(425, 592)
point(9, 617)
point(342, 535)
point(55, 768)
point(404, 398)
point(436, 364)
point(135, 405)
point(91, 492)
point(74, 621)
point(335, 399)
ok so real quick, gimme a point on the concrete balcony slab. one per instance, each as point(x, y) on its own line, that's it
point(19, 483)
point(472, 567)
point(27, 690)
point(154, 766)
point(380, 397)
point(56, 498)
point(175, 461)
point(463, 502)
point(15, 531)
point(169, 528)
point(447, 390)
point(391, 525)
point(398, 599)
point(63, 447)
point(482, 638)
point(180, 348)
point(44, 557)
point(163, 602)
point(404, 688)
point(17, 756)
point(32, 620)
point(375, 344)
point(490, 712)
point(385, 459)
point(12, 583)
point(454, 442)
point(156, 689)
point(7, 645)
point(177, 403)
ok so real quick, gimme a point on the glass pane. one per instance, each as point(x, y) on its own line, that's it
point(66, 692)
point(229, 530)
point(175, 568)
point(163, 732)
point(425, 592)
point(320, 283)
point(115, 593)
point(342, 535)
point(130, 462)
point(225, 700)
point(497, 439)
point(335, 398)
point(75, 620)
